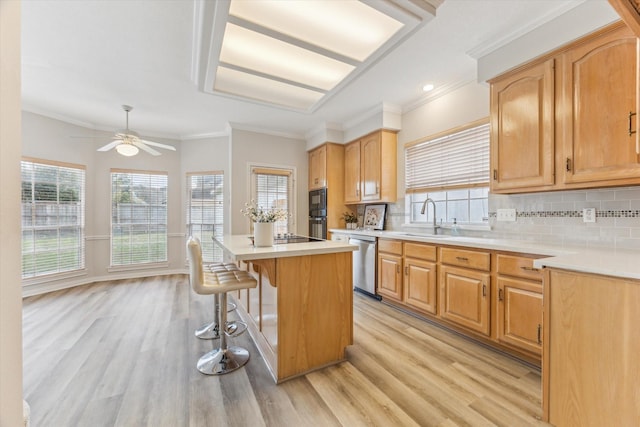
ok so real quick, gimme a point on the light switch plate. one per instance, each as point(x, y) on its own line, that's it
point(589, 215)
point(506, 215)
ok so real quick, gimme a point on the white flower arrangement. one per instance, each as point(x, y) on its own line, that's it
point(258, 214)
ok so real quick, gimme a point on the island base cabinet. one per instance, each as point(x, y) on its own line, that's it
point(464, 298)
point(591, 363)
point(306, 312)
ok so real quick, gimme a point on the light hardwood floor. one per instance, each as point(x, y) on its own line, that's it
point(123, 354)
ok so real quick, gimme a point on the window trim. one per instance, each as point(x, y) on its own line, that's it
point(282, 170)
point(139, 265)
point(46, 277)
point(188, 223)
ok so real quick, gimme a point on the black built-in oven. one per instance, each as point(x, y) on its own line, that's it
point(318, 213)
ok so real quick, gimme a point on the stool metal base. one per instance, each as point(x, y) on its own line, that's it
point(211, 331)
point(222, 361)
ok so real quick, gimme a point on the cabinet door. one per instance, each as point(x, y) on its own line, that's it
point(520, 314)
point(420, 287)
point(599, 84)
point(464, 298)
point(352, 172)
point(318, 168)
point(370, 167)
point(522, 129)
point(390, 276)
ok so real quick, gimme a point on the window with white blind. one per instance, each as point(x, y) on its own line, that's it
point(205, 211)
point(451, 168)
point(138, 217)
point(273, 188)
point(52, 217)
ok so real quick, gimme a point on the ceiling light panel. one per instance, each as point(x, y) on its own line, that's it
point(347, 27)
point(254, 51)
point(247, 85)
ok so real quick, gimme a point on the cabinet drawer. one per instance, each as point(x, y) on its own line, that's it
point(390, 246)
point(420, 251)
point(517, 266)
point(463, 258)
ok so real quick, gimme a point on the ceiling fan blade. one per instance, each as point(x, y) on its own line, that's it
point(110, 145)
point(157, 144)
point(144, 147)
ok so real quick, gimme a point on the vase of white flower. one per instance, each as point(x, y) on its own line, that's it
point(262, 234)
point(263, 220)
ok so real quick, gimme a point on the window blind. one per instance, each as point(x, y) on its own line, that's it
point(53, 203)
point(456, 160)
point(205, 211)
point(138, 217)
point(273, 189)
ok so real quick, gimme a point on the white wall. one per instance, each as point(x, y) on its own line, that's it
point(268, 150)
point(10, 289)
point(51, 139)
point(462, 106)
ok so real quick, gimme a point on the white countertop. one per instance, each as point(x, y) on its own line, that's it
point(609, 262)
point(240, 248)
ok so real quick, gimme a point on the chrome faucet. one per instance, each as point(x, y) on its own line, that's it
point(424, 207)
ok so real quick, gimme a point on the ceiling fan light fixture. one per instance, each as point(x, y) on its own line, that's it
point(127, 150)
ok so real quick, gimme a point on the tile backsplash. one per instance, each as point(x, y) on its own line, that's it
point(556, 218)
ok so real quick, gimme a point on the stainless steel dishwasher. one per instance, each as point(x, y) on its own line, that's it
point(364, 265)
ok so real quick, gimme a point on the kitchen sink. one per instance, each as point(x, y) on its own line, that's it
point(425, 235)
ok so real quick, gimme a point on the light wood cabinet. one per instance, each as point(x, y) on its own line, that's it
point(568, 119)
point(420, 279)
point(407, 274)
point(464, 298)
point(370, 168)
point(599, 99)
point(326, 169)
point(318, 168)
point(352, 172)
point(591, 346)
point(522, 128)
point(519, 303)
point(390, 269)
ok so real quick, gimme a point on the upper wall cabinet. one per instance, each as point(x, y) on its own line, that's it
point(522, 126)
point(599, 100)
point(568, 120)
point(318, 168)
point(370, 168)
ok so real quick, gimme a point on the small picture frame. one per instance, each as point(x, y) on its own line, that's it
point(374, 216)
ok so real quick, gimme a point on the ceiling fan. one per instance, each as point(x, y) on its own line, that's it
point(128, 142)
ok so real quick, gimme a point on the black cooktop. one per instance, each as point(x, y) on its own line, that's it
point(281, 239)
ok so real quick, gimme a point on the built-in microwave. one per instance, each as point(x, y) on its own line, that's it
point(318, 203)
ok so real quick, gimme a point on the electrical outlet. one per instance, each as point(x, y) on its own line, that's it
point(506, 214)
point(589, 215)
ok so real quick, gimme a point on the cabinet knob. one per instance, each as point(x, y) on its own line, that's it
point(568, 164)
point(631, 114)
point(500, 296)
point(484, 290)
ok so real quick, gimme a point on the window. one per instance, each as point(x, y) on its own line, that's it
point(452, 169)
point(205, 213)
point(273, 188)
point(138, 217)
point(52, 217)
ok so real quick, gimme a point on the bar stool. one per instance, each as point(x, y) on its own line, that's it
point(225, 358)
point(211, 330)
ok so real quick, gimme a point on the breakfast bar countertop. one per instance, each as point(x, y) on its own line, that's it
point(240, 248)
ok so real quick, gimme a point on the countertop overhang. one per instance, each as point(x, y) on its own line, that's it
point(606, 261)
point(240, 248)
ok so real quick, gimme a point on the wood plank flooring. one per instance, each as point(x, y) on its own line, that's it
point(123, 354)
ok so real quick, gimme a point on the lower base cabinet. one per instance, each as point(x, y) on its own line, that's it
point(464, 298)
point(520, 314)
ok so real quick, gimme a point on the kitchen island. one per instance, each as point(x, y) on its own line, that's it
point(300, 316)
